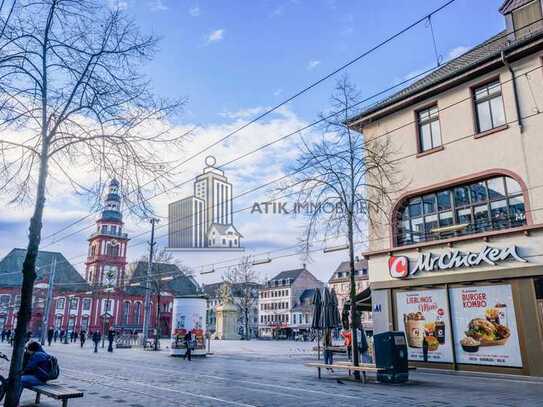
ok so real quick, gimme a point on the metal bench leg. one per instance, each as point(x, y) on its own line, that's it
point(37, 398)
point(319, 370)
point(64, 402)
point(363, 377)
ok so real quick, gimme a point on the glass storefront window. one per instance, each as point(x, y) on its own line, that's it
point(492, 204)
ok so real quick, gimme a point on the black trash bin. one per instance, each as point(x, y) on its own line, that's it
point(391, 357)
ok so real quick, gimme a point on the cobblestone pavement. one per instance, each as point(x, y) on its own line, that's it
point(134, 378)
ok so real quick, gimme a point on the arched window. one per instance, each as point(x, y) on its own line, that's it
point(126, 312)
point(137, 312)
point(484, 205)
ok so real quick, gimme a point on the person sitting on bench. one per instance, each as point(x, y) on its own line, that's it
point(36, 366)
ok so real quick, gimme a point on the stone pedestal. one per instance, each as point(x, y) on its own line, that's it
point(227, 322)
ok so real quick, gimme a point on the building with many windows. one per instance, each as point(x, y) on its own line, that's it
point(278, 301)
point(112, 293)
point(457, 259)
point(340, 282)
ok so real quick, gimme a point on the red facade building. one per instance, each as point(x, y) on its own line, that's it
point(112, 293)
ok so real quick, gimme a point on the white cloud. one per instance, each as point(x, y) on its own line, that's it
point(312, 64)
point(194, 11)
point(215, 36)
point(158, 5)
point(243, 113)
point(261, 232)
point(278, 92)
point(457, 51)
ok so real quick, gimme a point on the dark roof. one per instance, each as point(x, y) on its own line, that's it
point(181, 285)
point(510, 5)
point(66, 276)
point(212, 290)
point(480, 54)
point(288, 274)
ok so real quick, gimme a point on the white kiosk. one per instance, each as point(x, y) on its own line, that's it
point(189, 314)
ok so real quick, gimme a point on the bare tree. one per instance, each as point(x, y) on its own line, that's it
point(160, 278)
point(72, 101)
point(340, 179)
point(243, 279)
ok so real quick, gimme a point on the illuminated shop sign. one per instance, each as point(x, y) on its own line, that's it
point(398, 266)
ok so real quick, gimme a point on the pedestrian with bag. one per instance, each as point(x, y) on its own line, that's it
point(96, 336)
point(189, 344)
point(38, 367)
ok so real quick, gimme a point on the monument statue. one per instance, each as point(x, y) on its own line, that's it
point(227, 314)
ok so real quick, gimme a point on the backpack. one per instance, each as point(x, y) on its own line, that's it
point(54, 369)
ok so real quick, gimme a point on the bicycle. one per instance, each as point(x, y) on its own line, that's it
point(3, 380)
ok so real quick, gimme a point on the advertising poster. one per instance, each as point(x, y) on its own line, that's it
point(424, 316)
point(485, 326)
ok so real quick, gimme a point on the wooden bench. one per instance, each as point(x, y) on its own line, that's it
point(362, 367)
point(56, 392)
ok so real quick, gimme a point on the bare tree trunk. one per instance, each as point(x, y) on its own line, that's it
point(29, 275)
point(354, 315)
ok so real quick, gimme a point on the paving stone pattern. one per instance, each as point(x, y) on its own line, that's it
point(249, 377)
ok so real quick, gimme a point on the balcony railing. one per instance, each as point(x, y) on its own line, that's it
point(110, 234)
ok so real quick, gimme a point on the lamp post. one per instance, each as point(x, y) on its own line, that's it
point(50, 284)
point(147, 299)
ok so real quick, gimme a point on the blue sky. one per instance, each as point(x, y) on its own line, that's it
point(233, 59)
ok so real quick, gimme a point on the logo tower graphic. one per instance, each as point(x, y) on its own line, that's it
point(205, 220)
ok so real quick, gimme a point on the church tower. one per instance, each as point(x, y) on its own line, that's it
point(106, 261)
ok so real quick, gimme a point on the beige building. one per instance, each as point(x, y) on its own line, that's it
point(340, 282)
point(458, 262)
point(283, 303)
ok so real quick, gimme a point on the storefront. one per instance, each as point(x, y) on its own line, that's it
point(477, 304)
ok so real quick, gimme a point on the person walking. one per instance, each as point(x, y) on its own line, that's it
point(72, 336)
point(55, 335)
point(76, 336)
point(96, 339)
point(348, 342)
point(3, 334)
point(189, 345)
point(50, 334)
point(61, 336)
point(8, 336)
point(82, 337)
point(327, 344)
point(110, 337)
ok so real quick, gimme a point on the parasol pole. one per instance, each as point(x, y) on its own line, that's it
point(318, 345)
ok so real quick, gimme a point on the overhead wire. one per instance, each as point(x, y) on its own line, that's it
point(282, 103)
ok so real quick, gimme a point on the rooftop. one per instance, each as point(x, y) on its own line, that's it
point(66, 276)
point(479, 55)
point(181, 285)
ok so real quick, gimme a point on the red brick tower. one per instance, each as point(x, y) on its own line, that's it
point(106, 261)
